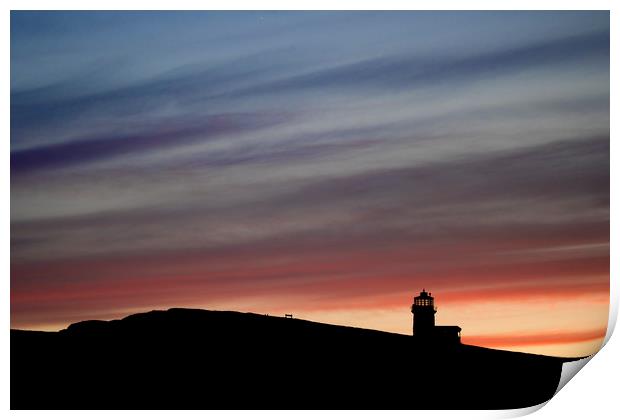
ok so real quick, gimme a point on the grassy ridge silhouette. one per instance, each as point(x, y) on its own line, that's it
point(199, 359)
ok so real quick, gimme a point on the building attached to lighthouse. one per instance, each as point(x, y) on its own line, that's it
point(424, 310)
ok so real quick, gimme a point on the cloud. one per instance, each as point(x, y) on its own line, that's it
point(405, 72)
point(83, 151)
point(177, 94)
point(559, 189)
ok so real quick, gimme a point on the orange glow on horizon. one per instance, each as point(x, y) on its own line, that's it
point(548, 307)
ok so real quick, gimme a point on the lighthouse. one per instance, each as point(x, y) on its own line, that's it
point(423, 310)
point(424, 328)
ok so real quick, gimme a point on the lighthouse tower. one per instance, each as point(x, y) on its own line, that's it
point(423, 310)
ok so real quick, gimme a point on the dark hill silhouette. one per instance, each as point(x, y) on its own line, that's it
point(186, 358)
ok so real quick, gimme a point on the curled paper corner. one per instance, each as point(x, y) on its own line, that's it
point(569, 370)
point(520, 412)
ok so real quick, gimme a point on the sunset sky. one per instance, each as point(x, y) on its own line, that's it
point(325, 164)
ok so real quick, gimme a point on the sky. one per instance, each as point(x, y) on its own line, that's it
point(324, 164)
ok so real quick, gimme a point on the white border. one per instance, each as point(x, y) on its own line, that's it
point(312, 5)
point(591, 395)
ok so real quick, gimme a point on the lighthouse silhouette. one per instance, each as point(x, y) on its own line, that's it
point(424, 311)
point(424, 328)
